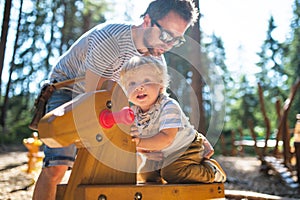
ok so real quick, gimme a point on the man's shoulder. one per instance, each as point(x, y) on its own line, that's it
point(112, 27)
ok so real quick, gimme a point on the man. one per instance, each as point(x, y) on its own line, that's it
point(99, 55)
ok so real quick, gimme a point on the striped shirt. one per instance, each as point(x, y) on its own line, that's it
point(103, 50)
point(165, 113)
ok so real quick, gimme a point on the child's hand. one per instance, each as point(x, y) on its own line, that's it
point(134, 134)
point(137, 140)
point(208, 149)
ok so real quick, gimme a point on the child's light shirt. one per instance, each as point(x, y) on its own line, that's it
point(165, 113)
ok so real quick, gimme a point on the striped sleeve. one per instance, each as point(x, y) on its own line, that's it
point(102, 51)
point(170, 116)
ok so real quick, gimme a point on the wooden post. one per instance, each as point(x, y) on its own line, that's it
point(278, 135)
point(297, 145)
point(283, 126)
point(233, 148)
point(257, 151)
point(223, 145)
point(241, 147)
point(266, 119)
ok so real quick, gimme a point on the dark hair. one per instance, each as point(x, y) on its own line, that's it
point(185, 8)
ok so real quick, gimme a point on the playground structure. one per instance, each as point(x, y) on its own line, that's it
point(285, 164)
point(34, 155)
point(105, 166)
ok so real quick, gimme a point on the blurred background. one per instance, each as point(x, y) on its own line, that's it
point(237, 78)
point(248, 44)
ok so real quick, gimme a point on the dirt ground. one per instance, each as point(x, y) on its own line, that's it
point(243, 175)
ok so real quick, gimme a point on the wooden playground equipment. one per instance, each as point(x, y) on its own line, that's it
point(105, 166)
point(34, 155)
point(285, 164)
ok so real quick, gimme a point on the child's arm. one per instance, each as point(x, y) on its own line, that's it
point(151, 155)
point(158, 142)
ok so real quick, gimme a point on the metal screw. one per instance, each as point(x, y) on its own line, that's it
point(220, 189)
point(108, 104)
point(138, 196)
point(99, 137)
point(102, 197)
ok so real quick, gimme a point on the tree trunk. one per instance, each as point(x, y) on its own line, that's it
point(4, 32)
point(12, 66)
point(197, 82)
point(266, 119)
point(283, 128)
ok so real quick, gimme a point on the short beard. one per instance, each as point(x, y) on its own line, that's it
point(150, 49)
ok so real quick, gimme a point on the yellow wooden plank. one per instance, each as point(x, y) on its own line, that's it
point(78, 119)
point(150, 192)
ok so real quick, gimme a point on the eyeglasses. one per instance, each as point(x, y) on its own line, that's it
point(166, 36)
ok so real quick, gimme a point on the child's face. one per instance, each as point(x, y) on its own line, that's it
point(143, 87)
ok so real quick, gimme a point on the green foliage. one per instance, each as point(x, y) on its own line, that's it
point(272, 78)
point(16, 133)
point(218, 76)
point(292, 61)
point(278, 71)
point(46, 30)
point(17, 119)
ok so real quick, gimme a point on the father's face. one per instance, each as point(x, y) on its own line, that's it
point(165, 34)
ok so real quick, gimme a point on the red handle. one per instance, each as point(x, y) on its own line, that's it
point(107, 118)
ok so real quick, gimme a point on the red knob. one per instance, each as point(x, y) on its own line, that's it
point(107, 118)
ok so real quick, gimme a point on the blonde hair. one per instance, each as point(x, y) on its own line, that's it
point(137, 62)
point(186, 9)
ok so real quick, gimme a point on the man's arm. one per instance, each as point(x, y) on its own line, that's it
point(93, 81)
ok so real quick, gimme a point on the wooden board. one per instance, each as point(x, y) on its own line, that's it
point(238, 194)
point(282, 171)
point(77, 121)
point(149, 192)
